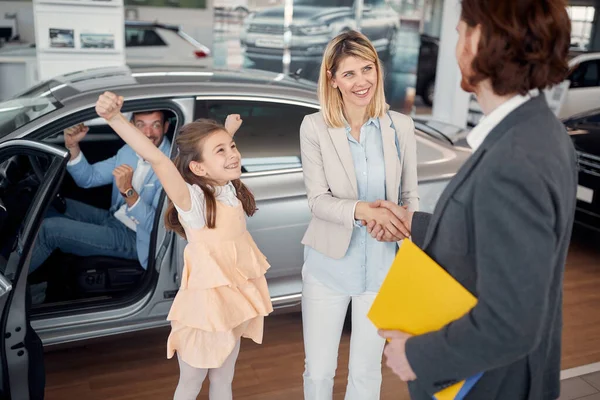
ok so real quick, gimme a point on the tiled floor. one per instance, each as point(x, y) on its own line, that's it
point(584, 387)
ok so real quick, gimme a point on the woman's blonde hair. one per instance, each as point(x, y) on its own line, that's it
point(348, 44)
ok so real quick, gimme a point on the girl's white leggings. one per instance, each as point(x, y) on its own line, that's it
point(191, 379)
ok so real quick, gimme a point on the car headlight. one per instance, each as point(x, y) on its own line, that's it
point(429, 194)
point(315, 29)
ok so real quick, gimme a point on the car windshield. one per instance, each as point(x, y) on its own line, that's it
point(320, 3)
point(26, 107)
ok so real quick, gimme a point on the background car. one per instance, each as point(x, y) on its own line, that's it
point(315, 23)
point(238, 6)
point(161, 44)
point(584, 89)
point(90, 297)
point(148, 44)
point(584, 129)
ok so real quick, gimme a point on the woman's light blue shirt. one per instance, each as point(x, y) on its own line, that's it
point(367, 260)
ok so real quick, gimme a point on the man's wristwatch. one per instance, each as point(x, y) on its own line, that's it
point(128, 193)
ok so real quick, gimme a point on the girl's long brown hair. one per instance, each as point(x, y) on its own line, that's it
point(189, 141)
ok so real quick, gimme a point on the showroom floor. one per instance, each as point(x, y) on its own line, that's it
point(584, 387)
point(134, 366)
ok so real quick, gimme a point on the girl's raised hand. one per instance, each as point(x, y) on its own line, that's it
point(109, 105)
point(233, 123)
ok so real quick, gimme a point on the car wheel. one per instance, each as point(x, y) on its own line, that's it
point(429, 92)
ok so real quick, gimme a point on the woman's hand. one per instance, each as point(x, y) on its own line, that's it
point(381, 216)
point(379, 232)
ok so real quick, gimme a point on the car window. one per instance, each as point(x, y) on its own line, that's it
point(586, 74)
point(26, 107)
point(269, 138)
point(20, 178)
point(375, 3)
point(319, 3)
point(142, 37)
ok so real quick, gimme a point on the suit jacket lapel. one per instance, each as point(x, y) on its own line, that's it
point(463, 173)
point(340, 141)
point(390, 156)
point(504, 126)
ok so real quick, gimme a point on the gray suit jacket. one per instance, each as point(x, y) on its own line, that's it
point(502, 228)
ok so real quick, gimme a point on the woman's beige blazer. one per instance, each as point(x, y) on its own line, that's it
point(330, 178)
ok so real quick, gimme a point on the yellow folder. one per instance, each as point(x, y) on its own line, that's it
point(418, 296)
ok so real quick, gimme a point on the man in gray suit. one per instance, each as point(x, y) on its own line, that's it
point(502, 226)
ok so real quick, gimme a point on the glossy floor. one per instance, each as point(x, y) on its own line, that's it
point(134, 366)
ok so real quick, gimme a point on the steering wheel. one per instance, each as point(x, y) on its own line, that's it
point(59, 202)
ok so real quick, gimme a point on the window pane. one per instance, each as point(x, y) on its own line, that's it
point(269, 138)
point(578, 74)
point(135, 37)
point(576, 29)
point(591, 75)
point(591, 11)
point(587, 31)
point(578, 13)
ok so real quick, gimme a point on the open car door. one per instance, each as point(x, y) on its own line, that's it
point(30, 175)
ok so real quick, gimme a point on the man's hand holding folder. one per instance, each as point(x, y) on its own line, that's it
point(418, 296)
point(395, 352)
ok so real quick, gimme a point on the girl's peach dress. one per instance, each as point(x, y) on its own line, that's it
point(223, 294)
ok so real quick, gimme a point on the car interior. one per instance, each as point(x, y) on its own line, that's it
point(71, 280)
point(264, 142)
point(20, 177)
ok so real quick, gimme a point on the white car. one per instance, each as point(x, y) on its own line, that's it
point(155, 44)
point(147, 44)
point(584, 88)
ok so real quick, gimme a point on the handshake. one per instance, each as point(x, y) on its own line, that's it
point(385, 221)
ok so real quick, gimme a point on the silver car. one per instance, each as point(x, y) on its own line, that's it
point(99, 296)
point(315, 23)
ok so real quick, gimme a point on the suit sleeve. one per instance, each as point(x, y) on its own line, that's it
point(320, 200)
point(419, 225)
point(89, 176)
point(513, 221)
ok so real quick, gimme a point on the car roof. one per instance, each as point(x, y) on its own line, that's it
point(157, 81)
point(583, 57)
point(147, 24)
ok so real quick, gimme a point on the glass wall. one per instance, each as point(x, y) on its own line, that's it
point(289, 37)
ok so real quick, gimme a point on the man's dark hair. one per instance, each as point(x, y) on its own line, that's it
point(524, 43)
point(162, 113)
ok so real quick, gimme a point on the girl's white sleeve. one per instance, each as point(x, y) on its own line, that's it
point(195, 217)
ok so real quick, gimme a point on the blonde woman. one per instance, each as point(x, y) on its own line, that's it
point(354, 153)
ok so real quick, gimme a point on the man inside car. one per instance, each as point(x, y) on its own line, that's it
point(124, 230)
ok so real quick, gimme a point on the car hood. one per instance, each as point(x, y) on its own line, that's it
point(301, 12)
